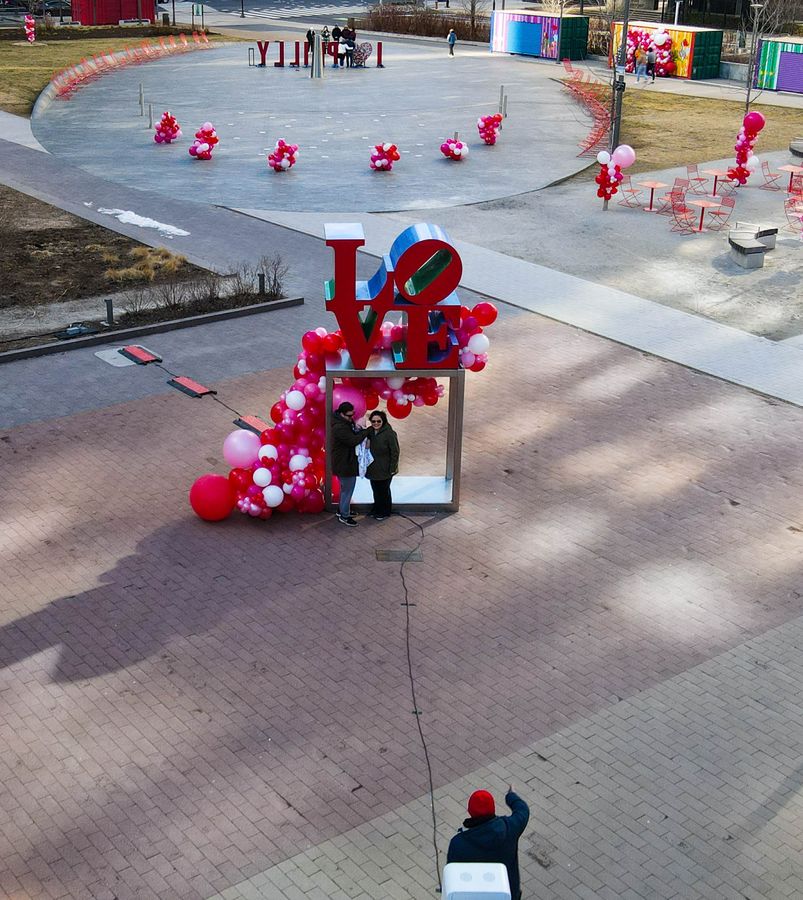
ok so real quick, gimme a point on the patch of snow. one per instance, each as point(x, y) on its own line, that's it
point(127, 217)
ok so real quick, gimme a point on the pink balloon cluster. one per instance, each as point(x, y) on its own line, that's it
point(205, 140)
point(284, 468)
point(167, 129)
point(489, 127)
point(451, 148)
point(746, 161)
point(383, 156)
point(610, 169)
point(30, 28)
point(283, 157)
point(643, 38)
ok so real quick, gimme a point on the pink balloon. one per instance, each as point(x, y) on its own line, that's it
point(624, 155)
point(347, 394)
point(241, 448)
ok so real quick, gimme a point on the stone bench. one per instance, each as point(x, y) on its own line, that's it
point(745, 250)
point(762, 233)
point(796, 147)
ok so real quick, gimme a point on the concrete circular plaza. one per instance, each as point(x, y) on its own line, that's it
point(421, 97)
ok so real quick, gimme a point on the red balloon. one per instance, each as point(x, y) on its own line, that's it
point(332, 343)
point(287, 505)
point(276, 412)
point(371, 400)
point(314, 502)
point(311, 342)
point(212, 498)
point(240, 480)
point(430, 399)
point(399, 410)
point(268, 436)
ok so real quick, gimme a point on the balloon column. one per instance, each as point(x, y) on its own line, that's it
point(283, 469)
point(746, 161)
point(205, 140)
point(610, 169)
point(383, 156)
point(489, 127)
point(30, 28)
point(167, 129)
point(283, 157)
point(451, 148)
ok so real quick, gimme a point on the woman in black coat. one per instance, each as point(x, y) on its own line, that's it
point(385, 451)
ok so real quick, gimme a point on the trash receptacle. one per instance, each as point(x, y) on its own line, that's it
point(165, 18)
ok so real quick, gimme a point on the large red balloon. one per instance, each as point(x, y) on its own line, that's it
point(399, 410)
point(485, 313)
point(311, 342)
point(212, 498)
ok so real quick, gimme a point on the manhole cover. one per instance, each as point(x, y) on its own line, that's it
point(399, 556)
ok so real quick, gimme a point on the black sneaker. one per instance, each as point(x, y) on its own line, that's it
point(380, 518)
point(346, 521)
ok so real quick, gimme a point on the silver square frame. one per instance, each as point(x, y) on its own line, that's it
point(411, 493)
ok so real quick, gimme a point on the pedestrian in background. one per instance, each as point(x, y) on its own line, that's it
point(451, 40)
point(489, 838)
point(384, 444)
point(641, 65)
point(652, 56)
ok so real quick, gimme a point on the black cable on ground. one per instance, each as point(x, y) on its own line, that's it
point(416, 710)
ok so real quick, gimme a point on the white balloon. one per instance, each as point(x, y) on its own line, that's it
point(262, 477)
point(478, 343)
point(285, 163)
point(287, 488)
point(295, 400)
point(298, 462)
point(386, 146)
point(273, 495)
point(268, 451)
point(603, 157)
point(395, 383)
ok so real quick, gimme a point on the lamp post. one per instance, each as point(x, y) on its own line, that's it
point(751, 63)
point(560, 33)
point(174, 13)
point(242, 9)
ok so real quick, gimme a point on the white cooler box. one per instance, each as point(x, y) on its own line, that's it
point(475, 881)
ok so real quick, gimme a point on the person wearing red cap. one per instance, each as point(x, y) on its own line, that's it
point(486, 837)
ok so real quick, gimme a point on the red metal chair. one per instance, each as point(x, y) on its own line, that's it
point(793, 208)
point(676, 195)
point(631, 196)
point(718, 218)
point(685, 219)
point(771, 179)
point(698, 184)
point(726, 187)
point(796, 185)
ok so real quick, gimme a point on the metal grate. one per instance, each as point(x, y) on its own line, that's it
point(399, 556)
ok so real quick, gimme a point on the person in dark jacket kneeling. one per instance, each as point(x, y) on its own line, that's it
point(385, 450)
point(489, 838)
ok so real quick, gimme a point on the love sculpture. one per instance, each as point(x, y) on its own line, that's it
point(369, 360)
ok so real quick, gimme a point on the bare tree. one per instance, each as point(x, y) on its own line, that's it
point(769, 17)
point(474, 9)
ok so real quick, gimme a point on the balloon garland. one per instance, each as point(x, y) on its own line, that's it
point(283, 157)
point(284, 468)
point(30, 28)
point(489, 127)
point(610, 169)
point(746, 161)
point(205, 140)
point(383, 156)
point(643, 38)
point(167, 129)
point(453, 149)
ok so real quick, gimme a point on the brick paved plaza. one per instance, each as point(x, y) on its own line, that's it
point(612, 622)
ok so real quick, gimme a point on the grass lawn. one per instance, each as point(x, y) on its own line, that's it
point(668, 130)
point(25, 69)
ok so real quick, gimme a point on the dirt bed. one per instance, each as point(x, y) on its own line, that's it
point(51, 256)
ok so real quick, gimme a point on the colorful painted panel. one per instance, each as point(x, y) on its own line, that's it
point(780, 66)
point(685, 52)
point(526, 34)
